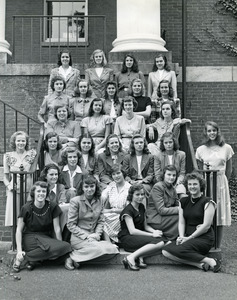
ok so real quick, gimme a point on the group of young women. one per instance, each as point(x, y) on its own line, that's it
point(103, 185)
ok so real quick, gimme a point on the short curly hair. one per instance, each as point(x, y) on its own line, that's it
point(65, 152)
point(41, 184)
point(57, 78)
point(197, 176)
point(49, 136)
point(60, 106)
point(13, 140)
point(138, 80)
point(135, 187)
point(89, 179)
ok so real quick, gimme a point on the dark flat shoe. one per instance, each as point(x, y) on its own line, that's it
point(217, 267)
point(205, 267)
point(30, 266)
point(129, 266)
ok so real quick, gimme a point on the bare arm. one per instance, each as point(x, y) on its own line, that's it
point(57, 229)
point(146, 113)
point(228, 169)
point(19, 230)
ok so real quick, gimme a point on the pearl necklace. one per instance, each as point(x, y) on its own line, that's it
point(40, 215)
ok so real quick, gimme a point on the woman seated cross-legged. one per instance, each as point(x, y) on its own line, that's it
point(135, 235)
point(114, 198)
point(196, 235)
point(162, 211)
point(86, 222)
point(38, 222)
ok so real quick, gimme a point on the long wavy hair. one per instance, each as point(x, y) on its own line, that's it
point(219, 138)
point(13, 140)
point(132, 148)
point(171, 136)
point(60, 55)
point(57, 78)
point(116, 99)
point(134, 66)
point(112, 135)
point(166, 66)
point(173, 109)
point(171, 92)
point(49, 136)
point(92, 58)
point(91, 111)
point(87, 136)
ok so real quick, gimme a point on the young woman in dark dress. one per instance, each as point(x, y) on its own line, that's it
point(196, 236)
point(135, 235)
point(38, 222)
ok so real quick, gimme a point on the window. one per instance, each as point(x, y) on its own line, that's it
point(67, 23)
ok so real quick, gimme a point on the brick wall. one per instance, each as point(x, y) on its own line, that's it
point(28, 34)
point(202, 18)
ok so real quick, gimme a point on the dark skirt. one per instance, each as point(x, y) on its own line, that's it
point(169, 226)
point(131, 243)
point(193, 250)
point(40, 247)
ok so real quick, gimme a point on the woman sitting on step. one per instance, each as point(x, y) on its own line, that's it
point(135, 235)
point(38, 234)
point(196, 235)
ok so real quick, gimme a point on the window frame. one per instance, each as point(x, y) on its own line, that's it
point(64, 41)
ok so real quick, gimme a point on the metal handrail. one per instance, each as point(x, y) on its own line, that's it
point(28, 118)
point(34, 170)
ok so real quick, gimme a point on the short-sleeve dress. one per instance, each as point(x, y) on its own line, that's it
point(194, 249)
point(130, 242)
point(118, 200)
point(217, 157)
point(38, 241)
point(96, 128)
point(12, 162)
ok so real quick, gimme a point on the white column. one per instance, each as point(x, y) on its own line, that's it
point(138, 26)
point(4, 45)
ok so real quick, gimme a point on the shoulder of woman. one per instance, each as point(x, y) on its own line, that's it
point(180, 152)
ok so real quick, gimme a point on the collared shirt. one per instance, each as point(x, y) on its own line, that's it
point(80, 107)
point(64, 72)
point(71, 177)
point(85, 217)
point(49, 103)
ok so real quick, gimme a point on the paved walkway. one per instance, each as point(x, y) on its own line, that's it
point(115, 283)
